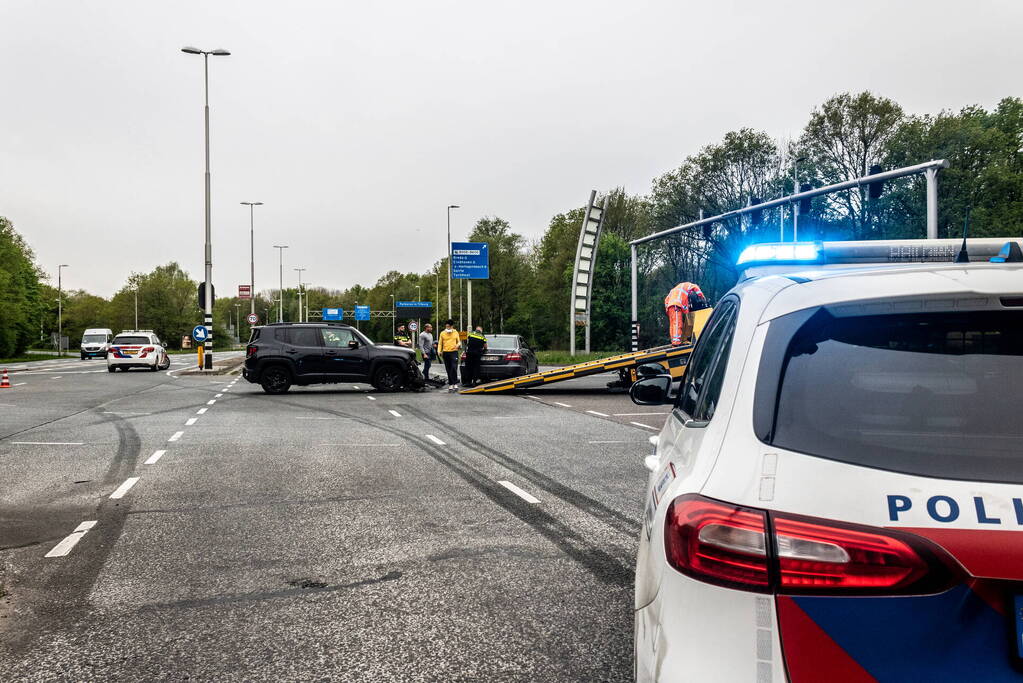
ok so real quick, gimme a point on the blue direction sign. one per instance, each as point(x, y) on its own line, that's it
point(199, 333)
point(333, 313)
point(470, 261)
point(362, 312)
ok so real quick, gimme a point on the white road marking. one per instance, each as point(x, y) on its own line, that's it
point(201, 411)
point(190, 421)
point(71, 540)
point(594, 412)
point(563, 405)
point(355, 386)
point(640, 424)
point(19, 384)
point(57, 377)
point(211, 401)
point(395, 413)
point(125, 487)
point(371, 398)
point(48, 443)
point(519, 492)
point(434, 439)
point(154, 457)
point(176, 436)
point(218, 396)
point(636, 414)
point(317, 418)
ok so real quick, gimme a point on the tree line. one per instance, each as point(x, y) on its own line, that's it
point(528, 292)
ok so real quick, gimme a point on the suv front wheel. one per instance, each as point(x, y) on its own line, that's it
point(389, 378)
point(275, 380)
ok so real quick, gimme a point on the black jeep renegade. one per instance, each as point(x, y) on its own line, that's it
point(284, 354)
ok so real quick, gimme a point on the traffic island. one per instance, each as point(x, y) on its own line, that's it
point(220, 367)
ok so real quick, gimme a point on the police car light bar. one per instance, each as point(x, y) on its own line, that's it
point(871, 252)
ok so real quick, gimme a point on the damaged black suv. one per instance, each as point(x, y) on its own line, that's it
point(285, 354)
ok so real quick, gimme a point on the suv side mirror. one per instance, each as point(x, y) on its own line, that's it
point(353, 343)
point(651, 391)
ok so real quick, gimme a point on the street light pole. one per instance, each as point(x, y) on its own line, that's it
point(795, 190)
point(60, 310)
point(252, 254)
point(136, 305)
point(392, 317)
point(299, 293)
point(280, 303)
point(238, 322)
point(452, 206)
point(208, 289)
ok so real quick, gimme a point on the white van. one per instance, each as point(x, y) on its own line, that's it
point(96, 343)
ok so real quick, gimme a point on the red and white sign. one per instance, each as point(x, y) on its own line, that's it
point(252, 318)
point(244, 291)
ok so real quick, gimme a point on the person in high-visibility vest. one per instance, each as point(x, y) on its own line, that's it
point(475, 347)
point(681, 301)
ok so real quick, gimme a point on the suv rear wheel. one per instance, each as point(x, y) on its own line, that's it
point(389, 378)
point(275, 380)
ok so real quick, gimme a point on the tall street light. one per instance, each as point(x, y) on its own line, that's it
point(419, 321)
point(252, 254)
point(60, 310)
point(208, 289)
point(795, 189)
point(238, 322)
point(392, 317)
point(280, 306)
point(452, 206)
point(299, 293)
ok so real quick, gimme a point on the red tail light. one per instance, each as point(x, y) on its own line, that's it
point(728, 545)
point(148, 349)
point(513, 356)
point(250, 349)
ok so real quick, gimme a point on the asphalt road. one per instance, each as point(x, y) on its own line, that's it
point(200, 529)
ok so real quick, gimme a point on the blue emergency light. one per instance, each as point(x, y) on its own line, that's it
point(781, 252)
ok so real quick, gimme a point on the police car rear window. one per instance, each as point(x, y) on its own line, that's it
point(933, 394)
point(127, 341)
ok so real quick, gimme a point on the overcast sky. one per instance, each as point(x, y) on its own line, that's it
point(357, 123)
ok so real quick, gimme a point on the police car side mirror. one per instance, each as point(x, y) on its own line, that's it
point(651, 391)
point(651, 370)
point(353, 344)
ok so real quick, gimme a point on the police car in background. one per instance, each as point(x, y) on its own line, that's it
point(137, 349)
point(838, 492)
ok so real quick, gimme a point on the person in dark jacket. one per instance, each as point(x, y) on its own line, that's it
point(475, 347)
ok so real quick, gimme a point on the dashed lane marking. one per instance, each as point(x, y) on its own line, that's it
point(640, 424)
point(211, 401)
point(519, 492)
point(371, 398)
point(71, 540)
point(563, 405)
point(395, 413)
point(175, 436)
point(594, 412)
point(125, 487)
point(217, 395)
point(434, 439)
point(201, 411)
point(190, 421)
point(154, 457)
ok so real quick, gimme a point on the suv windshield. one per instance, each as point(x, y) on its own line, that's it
point(94, 339)
point(126, 341)
point(934, 394)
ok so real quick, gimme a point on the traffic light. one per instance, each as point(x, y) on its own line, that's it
point(804, 203)
point(875, 188)
point(756, 217)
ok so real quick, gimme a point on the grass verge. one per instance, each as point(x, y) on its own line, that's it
point(563, 357)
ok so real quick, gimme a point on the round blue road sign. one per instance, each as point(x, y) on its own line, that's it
point(199, 333)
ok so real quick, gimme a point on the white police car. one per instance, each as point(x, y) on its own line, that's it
point(137, 349)
point(838, 492)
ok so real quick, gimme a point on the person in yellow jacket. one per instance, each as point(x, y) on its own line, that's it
point(681, 301)
point(448, 343)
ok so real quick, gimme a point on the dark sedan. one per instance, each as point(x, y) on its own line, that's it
point(507, 355)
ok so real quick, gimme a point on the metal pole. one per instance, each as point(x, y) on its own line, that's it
point(635, 300)
point(136, 305)
point(60, 313)
point(392, 318)
point(931, 175)
point(468, 307)
point(252, 258)
point(448, 250)
point(280, 303)
point(300, 318)
point(208, 290)
point(795, 207)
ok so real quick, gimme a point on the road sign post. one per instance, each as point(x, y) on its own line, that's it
point(470, 261)
point(244, 291)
